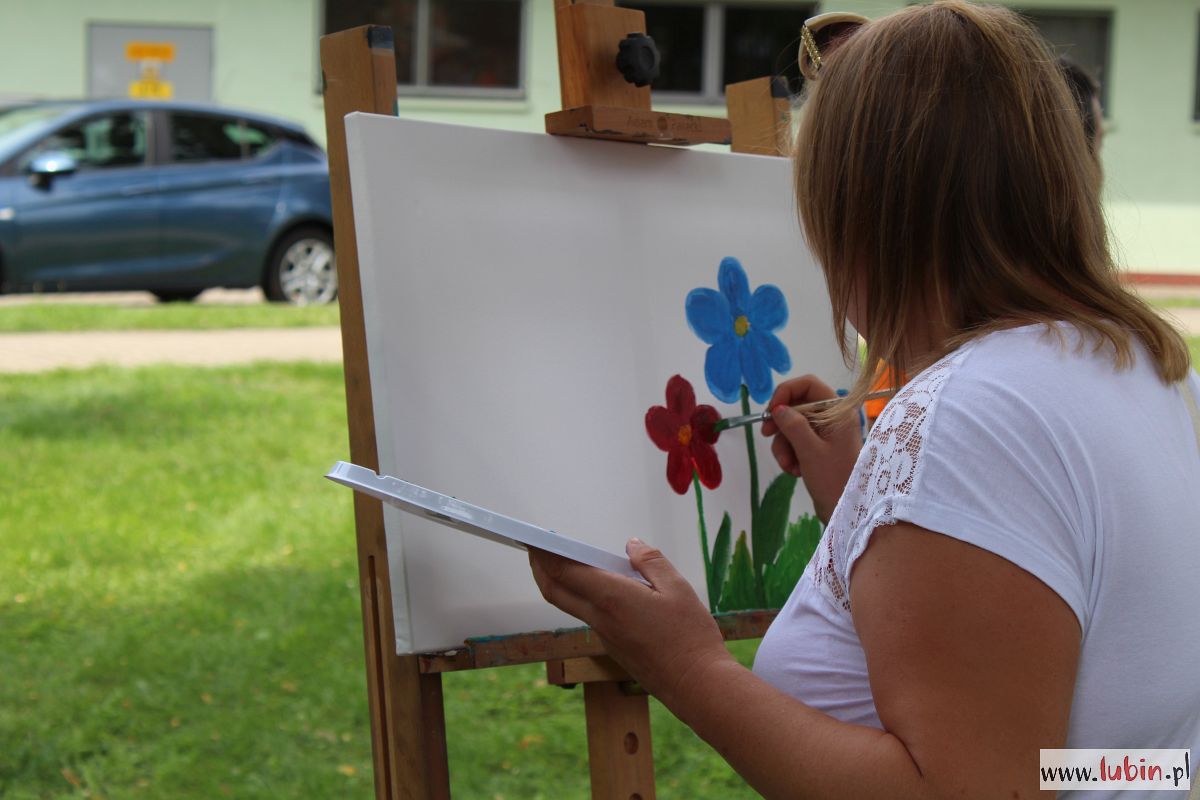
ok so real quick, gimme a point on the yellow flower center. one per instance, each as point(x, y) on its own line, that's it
point(685, 435)
point(741, 325)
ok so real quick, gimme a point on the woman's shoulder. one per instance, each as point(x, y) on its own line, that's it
point(1033, 374)
point(1034, 390)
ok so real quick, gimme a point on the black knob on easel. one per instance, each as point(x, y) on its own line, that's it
point(638, 59)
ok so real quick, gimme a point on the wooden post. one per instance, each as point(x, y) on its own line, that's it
point(760, 115)
point(408, 729)
point(620, 756)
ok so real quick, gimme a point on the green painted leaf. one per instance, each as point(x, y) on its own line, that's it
point(779, 578)
point(740, 592)
point(772, 521)
point(720, 562)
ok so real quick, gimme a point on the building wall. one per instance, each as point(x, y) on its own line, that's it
point(1151, 150)
point(265, 58)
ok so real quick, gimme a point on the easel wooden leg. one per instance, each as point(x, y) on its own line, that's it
point(408, 722)
point(408, 730)
point(620, 757)
point(420, 770)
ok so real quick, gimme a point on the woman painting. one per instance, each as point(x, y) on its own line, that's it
point(1009, 560)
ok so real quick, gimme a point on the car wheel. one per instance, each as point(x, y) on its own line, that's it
point(176, 295)
point(302, 270)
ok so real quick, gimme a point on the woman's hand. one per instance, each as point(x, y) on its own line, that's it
point(661, 634)
point(824, 458)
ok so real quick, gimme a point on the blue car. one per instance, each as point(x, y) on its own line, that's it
point(163, 197)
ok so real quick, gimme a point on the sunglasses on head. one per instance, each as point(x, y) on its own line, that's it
point(820, 35)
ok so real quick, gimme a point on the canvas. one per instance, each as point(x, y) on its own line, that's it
point(552, 326)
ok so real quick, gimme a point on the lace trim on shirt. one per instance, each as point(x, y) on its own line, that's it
point(888, 465)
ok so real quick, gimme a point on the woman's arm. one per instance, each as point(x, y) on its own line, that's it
point(972, 665)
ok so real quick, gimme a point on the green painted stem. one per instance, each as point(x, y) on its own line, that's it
point(753, 458)
point(759, 588)
point(704, 541)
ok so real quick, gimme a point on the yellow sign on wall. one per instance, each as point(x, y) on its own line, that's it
point(151, 56)
point(151, 90)
point(149, 51)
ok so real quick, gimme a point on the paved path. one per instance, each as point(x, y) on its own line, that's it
point(36, 352)
point(1188, 319)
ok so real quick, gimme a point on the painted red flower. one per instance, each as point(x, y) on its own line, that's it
point(685, 431)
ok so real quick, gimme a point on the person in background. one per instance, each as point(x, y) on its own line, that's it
point(1087, 95)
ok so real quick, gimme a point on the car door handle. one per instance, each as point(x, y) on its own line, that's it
point(133, 191)
point(252, 179)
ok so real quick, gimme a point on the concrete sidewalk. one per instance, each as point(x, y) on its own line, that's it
point(37, 352)
point(1186, 319)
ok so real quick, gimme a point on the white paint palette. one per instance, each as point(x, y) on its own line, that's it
point(469, 518)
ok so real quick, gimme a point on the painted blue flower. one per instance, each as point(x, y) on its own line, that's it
point(739, 328)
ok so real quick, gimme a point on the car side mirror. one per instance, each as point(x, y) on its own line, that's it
point(47, 166)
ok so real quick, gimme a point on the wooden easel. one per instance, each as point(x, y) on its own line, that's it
point(760, 115)
point(598, 101)
point(408, 731)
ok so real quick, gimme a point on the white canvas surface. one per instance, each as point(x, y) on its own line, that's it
point(524, 302)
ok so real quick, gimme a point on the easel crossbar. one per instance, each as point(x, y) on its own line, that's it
point(528, 648)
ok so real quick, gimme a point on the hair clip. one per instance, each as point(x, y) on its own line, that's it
point(820, 35)
point(814, 52)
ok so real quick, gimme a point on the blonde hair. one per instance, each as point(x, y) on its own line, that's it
point(941, 159)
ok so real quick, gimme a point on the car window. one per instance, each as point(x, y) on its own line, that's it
point(205, 137)
point(16, 118)
point(202, 137)
point(101, 142)
point(253, 138)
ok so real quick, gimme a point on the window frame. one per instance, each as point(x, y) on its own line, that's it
point(712, 62)
point(1031, 14)
point(1196, 75)
point(421, 68)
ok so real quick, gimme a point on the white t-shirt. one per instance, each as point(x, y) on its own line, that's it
point(1085, 476)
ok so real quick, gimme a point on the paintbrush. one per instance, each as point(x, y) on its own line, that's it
point(803, 408)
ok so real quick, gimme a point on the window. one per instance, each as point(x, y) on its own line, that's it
point(14, 118)
point(1196, 110)
point(453, 47)
point(678, 32)
point(705, 46)
point(1082, 36)
point(111, 140)
point(762, 41)
point(252, 138)
point(204, 137)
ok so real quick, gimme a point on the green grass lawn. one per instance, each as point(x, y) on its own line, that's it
point(38, 317)
point(179, 606)
point(1175, 302)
